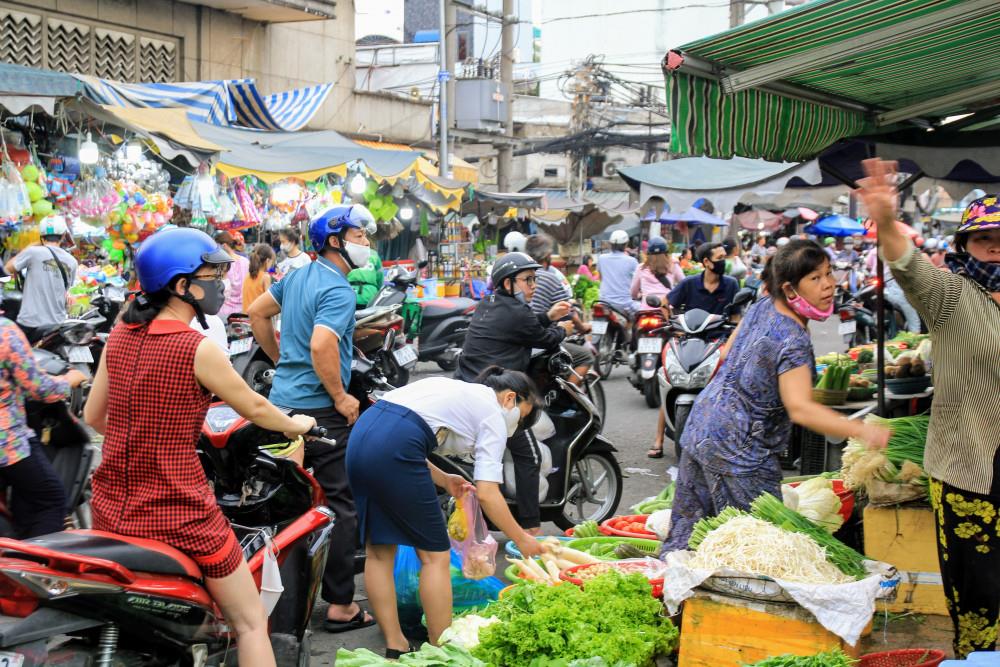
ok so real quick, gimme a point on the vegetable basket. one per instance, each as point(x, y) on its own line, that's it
point(830, 396)
point(905, 386)
point(586, 544)
point(632, 525)
point(513, 552)
point(906, 657)
point(846, 497)
point(861, 393)
point(581, 573)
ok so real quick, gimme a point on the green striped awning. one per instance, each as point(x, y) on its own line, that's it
point(788, 86)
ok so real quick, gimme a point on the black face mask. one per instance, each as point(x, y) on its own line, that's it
point(719, 267)
point(215, 295)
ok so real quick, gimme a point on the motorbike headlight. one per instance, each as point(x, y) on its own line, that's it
point(220, 418)
point(677, 375)
point(703, 373)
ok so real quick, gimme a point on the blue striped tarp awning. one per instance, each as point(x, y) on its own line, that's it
point(234, 102)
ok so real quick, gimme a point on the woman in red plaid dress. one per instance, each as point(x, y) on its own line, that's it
point(149, 399)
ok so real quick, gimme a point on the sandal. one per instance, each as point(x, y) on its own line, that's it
point(655, 453)
point(393, 654)
point(356, 623)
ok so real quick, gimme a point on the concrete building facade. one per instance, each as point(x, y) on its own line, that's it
point(169, 40)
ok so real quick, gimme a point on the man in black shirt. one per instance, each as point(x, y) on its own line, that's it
point(711, 290)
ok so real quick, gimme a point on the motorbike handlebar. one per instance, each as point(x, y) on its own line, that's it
point(316, 432)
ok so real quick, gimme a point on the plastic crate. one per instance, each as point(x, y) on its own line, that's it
point(813, 452)
point(906, 657)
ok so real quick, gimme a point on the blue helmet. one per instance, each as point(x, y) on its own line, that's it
point(656, 246)
point(336, 219)
point(175, 252)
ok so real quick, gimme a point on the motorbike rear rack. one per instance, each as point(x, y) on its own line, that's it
point(71, 563)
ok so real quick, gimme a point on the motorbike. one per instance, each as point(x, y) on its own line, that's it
point(858, 319)
point(377, 331)
point(246, 355)
point(650, 332)
point(585, 482)
point(690, 357)
point(442, 324)
point(67, 445)
point(75, 341)
point(611, 334)
point(88, 597)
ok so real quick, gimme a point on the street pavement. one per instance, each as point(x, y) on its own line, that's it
point(630, 427)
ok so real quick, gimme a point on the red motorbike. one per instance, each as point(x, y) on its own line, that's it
point(87, 597)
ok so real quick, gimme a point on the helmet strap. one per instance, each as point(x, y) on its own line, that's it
point(343, 251)
point(191, 301)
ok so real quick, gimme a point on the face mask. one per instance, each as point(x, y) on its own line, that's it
point(512, 418)
point(809, 311)
point(286, 248)
point(719, 267)
point(521, 296)
point(357, 254)
point(215, 295)
point(986, 274)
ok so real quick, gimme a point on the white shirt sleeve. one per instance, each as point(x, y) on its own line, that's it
point(490, 444)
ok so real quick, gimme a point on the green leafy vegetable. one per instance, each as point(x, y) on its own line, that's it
point(614, 617)
point(428, 656)
point(834, 658)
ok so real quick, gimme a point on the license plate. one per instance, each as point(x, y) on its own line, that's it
point(405, 355)
point(649, 345)
point(238, 346)
point(847, 327)
point(78, 354)
point(11, 659)
point(599, 327)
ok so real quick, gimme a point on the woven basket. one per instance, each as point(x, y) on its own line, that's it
point(829, 396)
point(906, 657)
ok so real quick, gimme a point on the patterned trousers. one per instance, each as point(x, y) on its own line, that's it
point(969, 554)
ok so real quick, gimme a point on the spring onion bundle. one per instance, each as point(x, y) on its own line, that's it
point(710, 523)
point(834, 658)
point(901, 462)
point(768, 508)
point(750, 545)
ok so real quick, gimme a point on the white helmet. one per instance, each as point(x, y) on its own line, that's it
point(931, 244)
point(783, 241)
point(514, 242)
point(52, 225)
point(619, 237)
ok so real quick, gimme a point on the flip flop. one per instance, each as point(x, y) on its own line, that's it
point(356, 623)
point(393, 654)
point(654, 453)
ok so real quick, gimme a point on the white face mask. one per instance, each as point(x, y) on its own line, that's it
point(286, 248)
point(512, 417)
point(358, 253)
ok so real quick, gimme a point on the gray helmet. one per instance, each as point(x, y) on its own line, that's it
point(509, 266)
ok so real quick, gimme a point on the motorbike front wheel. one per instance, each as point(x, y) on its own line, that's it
point(606, 354)
point(595, 490)
point(651, 392)
point(680, 420)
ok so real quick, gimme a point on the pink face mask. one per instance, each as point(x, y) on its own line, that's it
point(809, 311)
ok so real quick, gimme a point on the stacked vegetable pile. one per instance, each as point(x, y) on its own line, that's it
point(773, 541)
point(899, 463)
point(835, 377)
point(834, 658)
point(815, 500)
point(614, 617)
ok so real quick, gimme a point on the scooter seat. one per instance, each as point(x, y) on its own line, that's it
point(620, 311)
point(135, 553)
point(450, 306)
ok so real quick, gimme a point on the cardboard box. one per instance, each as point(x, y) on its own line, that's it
point(719, 631)
point(905, 536)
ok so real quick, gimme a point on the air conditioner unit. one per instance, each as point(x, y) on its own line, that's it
point(611, 168)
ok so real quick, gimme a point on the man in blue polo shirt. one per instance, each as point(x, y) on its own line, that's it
point(313, 374)
point(711, 290)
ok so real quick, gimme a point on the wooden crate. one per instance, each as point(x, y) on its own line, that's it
point(719, 631)
point(905, 536)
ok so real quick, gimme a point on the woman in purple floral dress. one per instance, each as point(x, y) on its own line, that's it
point(741, 422)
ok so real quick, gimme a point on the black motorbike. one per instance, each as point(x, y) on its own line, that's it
point(443, 322)
point(585, 482)
point(66, 443)
point(77, 342)
point(246, 355)
point(858, 319)
point(611, 334)
point(649, 334)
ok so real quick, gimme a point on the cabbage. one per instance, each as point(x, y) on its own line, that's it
point(464, 630)
point(815, 500)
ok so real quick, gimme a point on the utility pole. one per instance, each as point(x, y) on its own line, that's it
point(451, 55)
point(737, 13)
point(444, 75)
point(505, 156)
point(583, 89)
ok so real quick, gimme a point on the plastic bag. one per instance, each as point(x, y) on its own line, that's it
point(271, 587)
point(471, 538)
point(466, 593)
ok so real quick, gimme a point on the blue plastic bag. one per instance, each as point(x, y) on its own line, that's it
point(466, 593)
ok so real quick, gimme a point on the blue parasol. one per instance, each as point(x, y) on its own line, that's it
point(836, 225)
point(692, 216)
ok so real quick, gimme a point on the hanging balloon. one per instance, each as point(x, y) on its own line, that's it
point(41, 208)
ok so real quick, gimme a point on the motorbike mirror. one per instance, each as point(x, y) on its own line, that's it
point(422, 264)
point(743, 297)
point(653, 301)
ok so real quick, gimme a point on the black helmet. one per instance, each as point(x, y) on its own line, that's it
point(509, 266)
